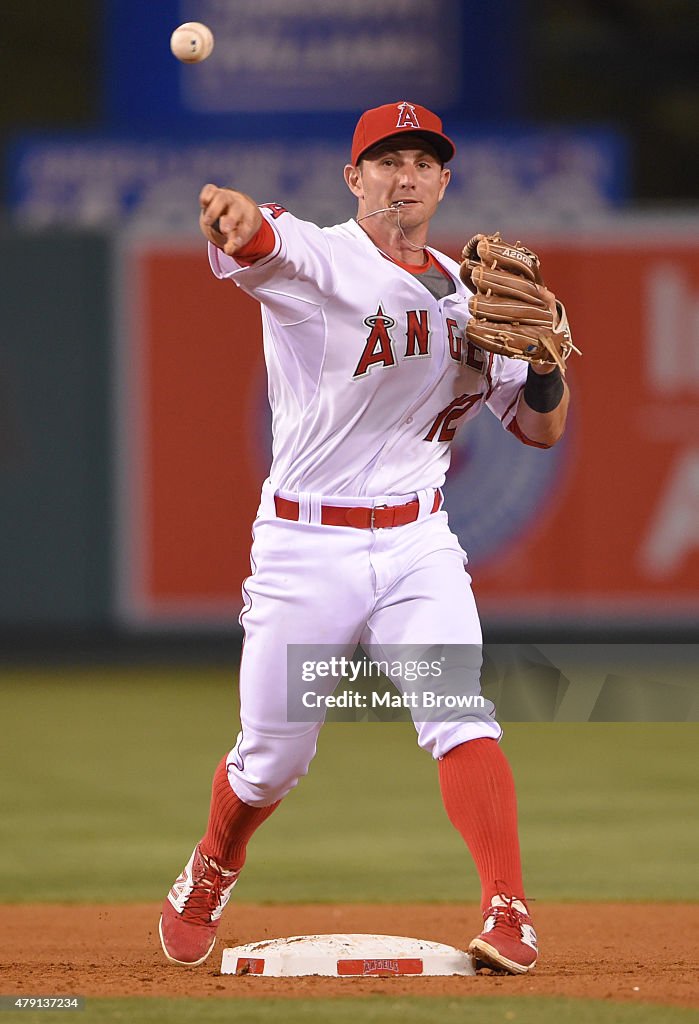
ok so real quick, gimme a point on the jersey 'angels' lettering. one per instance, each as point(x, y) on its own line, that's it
point(445, 421)
point(455, 339)
point(379, 345)
point(474, 355)
point(417, 332)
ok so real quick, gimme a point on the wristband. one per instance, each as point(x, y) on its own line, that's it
point(543, 391)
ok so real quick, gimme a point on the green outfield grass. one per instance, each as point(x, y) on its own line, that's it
point(382, 1010)
point(106, 781)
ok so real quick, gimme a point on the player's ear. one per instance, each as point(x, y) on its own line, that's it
point(445, 178)
point(353, 178)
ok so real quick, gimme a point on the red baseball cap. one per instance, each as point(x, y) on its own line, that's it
point(381, 123)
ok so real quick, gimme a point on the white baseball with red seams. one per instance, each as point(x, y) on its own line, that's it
point(370, 376)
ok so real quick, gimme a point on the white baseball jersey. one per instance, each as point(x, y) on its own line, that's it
point(370, 375)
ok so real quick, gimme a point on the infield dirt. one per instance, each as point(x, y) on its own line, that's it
point(636, 952)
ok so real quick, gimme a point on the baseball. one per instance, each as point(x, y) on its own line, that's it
point(192, 42)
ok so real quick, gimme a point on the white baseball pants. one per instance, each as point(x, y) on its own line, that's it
point(340, 586)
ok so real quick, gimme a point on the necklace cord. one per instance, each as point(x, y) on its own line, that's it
point(396, 210)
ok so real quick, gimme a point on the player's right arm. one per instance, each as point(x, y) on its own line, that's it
point(283, 262)
point(228, 219)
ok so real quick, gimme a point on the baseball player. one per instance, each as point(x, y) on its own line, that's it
point(371, 372)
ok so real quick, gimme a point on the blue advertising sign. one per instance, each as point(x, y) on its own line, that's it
point(283, 55)
point(523, 179)
point(274, 58)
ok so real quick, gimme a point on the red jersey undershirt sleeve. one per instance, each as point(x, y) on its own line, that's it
point(262, 243)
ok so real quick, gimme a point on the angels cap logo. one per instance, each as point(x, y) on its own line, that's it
point(407, 118)
point(381, 123)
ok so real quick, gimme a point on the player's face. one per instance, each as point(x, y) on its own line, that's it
point(412, 179)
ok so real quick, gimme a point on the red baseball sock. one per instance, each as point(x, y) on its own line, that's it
point(231, 823)
point(479, 796)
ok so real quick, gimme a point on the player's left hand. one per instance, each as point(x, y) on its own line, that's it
point(513, 313)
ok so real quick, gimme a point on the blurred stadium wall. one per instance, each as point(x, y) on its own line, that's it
point(133, 429)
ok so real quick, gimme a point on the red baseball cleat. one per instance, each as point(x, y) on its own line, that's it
point(508, 940)
point(193, 908)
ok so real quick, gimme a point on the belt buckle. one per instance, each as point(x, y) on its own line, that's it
point(372, 518)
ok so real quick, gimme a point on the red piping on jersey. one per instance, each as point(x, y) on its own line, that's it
point(513, 402)
point(515, 429)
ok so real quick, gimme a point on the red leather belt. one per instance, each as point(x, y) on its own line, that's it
point(380, 517)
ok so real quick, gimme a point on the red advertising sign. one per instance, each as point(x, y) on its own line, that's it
point(620, 535)
point(603, 526)
point(192, 451)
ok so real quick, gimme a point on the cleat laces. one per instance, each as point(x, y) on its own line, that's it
point(210, 893)
point(513, 917)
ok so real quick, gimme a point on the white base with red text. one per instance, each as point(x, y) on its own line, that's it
point(345, 956)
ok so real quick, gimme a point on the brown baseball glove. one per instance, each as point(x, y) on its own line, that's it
point(513, 313)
